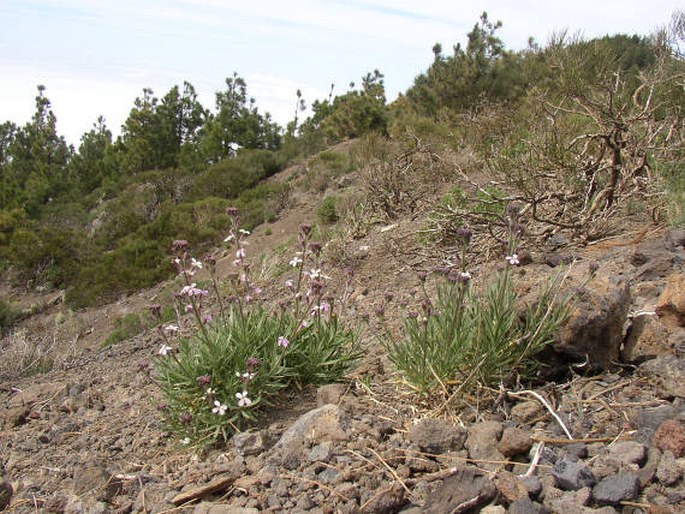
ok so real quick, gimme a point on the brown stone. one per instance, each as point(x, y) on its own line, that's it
point(671, 304)
point(330, 393)
point(670, 436)
point(515, 441)
point(594, 331)
point(510, 487)
point(646, 339)
point(525, 412)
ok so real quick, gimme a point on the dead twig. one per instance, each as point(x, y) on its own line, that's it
point(544, 402)
point(214, 486)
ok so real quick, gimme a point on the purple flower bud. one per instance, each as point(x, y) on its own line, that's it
point(162, 406)
point(185, 418)
point(315, 247)
point(513, 211)
point(143, 365)
point(380, 311)
point(155, 309)
point(305, 228)
point(316, 286)
point(252, 363)
point(204, 380)
point(593, 267)
point(464, 235)
point(232, 211)
point(412, 314)
point(179, 246)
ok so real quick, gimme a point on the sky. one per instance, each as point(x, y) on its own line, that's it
point(95, 56)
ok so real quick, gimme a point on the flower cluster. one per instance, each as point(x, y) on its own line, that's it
point(210, 387)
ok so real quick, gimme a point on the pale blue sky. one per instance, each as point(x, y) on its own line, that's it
point(96, 56)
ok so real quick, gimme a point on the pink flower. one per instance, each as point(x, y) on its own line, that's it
point(513, 259)
point(282, 341)
point(243, 400)
point(290, 283)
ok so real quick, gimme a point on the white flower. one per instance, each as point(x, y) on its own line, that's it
point(513, 259)
point(194, 263)
point(185, 441)
point(295, 261)
point(243, 400)
point(209, 392)
point(314, 274)
point(219, 408)
point(164, 349)
point(171, 328)
point(290, 283)
point(240, 254)
point(244, 232)
point(229, 238)
point(245, 376)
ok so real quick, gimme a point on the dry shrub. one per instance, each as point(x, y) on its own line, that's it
point(401, 185)
point(25, 356)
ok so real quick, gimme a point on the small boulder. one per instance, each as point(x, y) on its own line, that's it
point(514, 441)
point(671, 304)
point(330, 393)
point(437, 436)
point(252, 443)
point(482, 444)
point(526, 506)
point(668, 472)
point(647, 338)
point(571, 476)
point(390, 499)
point(510, 487)
point(668, 374)
point(670, 436)
point(594, 331)
point(525, 412)
point(463, 486)
point(6, 493)
point(616, 488)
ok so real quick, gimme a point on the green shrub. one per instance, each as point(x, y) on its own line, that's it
point(126, 327)
point(475, 337)
point(327, 212)
point(232, 366)
point(9, 315)
point(673, 176)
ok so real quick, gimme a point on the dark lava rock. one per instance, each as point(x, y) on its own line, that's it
point(465, 486)
point(668, 372)
point(616, 488)
point(387, 500)
point(482, 443)
point(252, 443)
point(526, 506)
point(6, 492)
point(437, 436)
point(571, 476)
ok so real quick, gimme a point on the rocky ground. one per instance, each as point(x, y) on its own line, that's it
point(604, 433)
